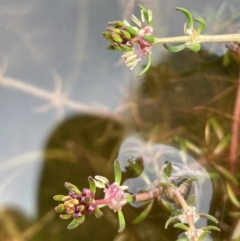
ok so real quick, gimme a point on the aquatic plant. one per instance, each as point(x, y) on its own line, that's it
point(136, 42)
point(77, 204)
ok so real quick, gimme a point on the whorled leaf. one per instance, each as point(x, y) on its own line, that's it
point(210, 227)
point(175, 49)
point(207, 216)
point(147, 66)
point(181, 226)
point(170, 220)
point(202, 24)
point(188, 15)
point(194, 47)
point(117, 172)
point(121, 220)
point(143, 214)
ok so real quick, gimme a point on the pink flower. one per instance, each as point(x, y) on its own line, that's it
point(116, 195)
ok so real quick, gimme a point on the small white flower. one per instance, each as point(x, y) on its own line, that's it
point(190, 213)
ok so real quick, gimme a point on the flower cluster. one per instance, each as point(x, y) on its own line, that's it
point(77, 204)
point(136, 42)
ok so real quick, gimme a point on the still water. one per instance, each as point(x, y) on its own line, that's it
point(68, 106)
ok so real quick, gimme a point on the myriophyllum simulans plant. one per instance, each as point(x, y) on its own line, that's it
point(77, 204)
point(136, 41)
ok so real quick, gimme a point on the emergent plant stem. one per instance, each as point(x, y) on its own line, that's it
point(201, 39)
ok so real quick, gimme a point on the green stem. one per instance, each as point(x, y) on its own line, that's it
point(201, 39)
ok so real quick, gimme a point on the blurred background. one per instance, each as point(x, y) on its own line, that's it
point(67, 104)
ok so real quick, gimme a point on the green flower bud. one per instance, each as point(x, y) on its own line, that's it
point(72, 187)
point(116, 23)
point(116, 46)
point(110, 47)
point(59, 197)
point(107, 35)
point(131, 30)
point(74, 201)
point(116, 38)
point(125, 47)
point(126, 34)
point(149, 38)
point(114, 30)
point(60, 208)
point(65, 216)
point(98, 213)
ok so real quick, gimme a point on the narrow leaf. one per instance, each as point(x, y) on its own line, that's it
point(194, 47)
point(92, 184)
point(226, 174)
point(188, 15)
point(204, 215)
point(210, 227)
point(202, 24)
point(217, 128)
point(222, 145)
point(232, 196)
point(147, 66)
point(203, 235)
point(175, 49)
point(117, 172)
point(181, 226)
point(121, 221)
point(143, 214)
point(168, 170)
point(170, 220)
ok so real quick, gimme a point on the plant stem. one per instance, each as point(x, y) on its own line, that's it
point(201, 39)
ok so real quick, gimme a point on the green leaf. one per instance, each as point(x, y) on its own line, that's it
point(232, 196)
point(167, 205)
point(188, 15)
point(210, 217)
point(217, 128)
point(73, 224)
point(170, 220)
point(181, 226)
point(210, 227)
point(191, 200)
point(202, 236)
point(194, 47)
point(202, 24)
point(121, 221)
point(147, 66)
point(222, 144)
point(92, 184)
point(143, 214)
point(98, 213)
point(226, 174)
point(117, 172)
point(175, 49)
point(168, 170)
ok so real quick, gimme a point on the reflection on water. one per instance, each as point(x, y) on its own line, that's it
point(154, 157)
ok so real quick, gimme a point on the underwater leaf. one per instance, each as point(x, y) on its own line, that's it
point(232, 196)
point(92, 184)
point(170, 220)
point(217, 128)
point(222, 144)
point(210, 227)
point(191, 200)
point(188, 15)
point(203, 235)
point(167, 205)
point(193, 147)
point(226, 174)
point(117, 172)
point(181, 226)
point(121, 221)
point(194, 47)
point(143, 214)
point(175, 49)
point(202, 24)
point(147, 66)
point(210, 217)
point(167, 172)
